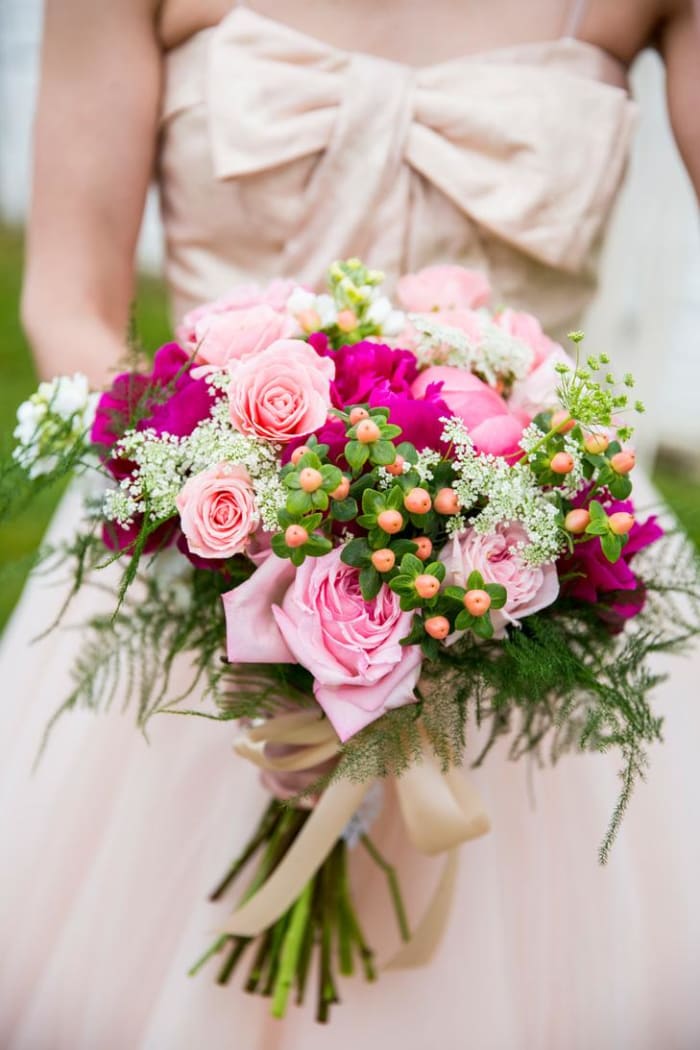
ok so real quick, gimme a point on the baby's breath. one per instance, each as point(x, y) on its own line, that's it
point(494, 356)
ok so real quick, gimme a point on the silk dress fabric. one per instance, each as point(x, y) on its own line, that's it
point(278, 154)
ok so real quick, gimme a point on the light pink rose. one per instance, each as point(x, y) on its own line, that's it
point(281, 393)
point(493, 428)
point(528, 329)
point(220, 338)
point(538, 391)
point(350, 646)
point(317, 616)
point(443, 288)
point(218, 512)
point(243, 297)
point(529, 588)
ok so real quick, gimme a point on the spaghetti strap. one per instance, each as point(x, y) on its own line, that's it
point(574, 18)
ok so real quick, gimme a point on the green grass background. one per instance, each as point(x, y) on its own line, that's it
point(19, 538)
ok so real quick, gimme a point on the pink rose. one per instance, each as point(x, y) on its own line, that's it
point(243, 297)
point(538, 391)
point(282, 393)
point(528, 330)
point(317, 615)
point(443, 288)
point(529, 587)
point(220, 338)
point(218, 512)
point(491, 425)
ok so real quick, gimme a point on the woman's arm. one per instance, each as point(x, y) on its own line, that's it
point(95, 138)
point(679, 44)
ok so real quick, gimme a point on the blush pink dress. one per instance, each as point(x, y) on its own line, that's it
point(278, 154)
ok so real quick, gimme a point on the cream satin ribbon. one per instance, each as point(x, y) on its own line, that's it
point(440, 811)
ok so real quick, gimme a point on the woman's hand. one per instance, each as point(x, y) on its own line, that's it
point(95, 141)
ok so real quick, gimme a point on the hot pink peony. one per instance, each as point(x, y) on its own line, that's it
point(491, 425)
point(443, 288)
point(529, 588)
point(218, 512)
point(316, 616)
point(282, 393)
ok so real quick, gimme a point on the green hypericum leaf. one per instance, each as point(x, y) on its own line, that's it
point(332, 477)
point(475, 581)
point(279, 545)
point(408, 451)
point(483, 627)
point(312, 522)
point(297, 557)
point(291, 480)
point(402, 584)
point(411, 565)
point(299, 502)
point(497, 593)
point(370, 582)
point(596, 511)
point(416, 634)
point(373, 502)
point(344, 510)
point(319, 499)
point(401, 547)
point(368, 521)
point(309, 459)
point(317, 546)
point(356, 454)
point(390, 430)
point(464, 620)
point(611, 546)
point(394, 498)
point(620, 486)
point(382, 453)
point(355, 553)
point(285, 518)
point(436, 568)
point(457, 593)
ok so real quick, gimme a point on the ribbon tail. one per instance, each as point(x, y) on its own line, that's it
point(427, 935)
point(305, 856)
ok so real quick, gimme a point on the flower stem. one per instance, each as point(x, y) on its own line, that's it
point(543, 440)
point(270, 819)
point(394, 888)
point(292, 949)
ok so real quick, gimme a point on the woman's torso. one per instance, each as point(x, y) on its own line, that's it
point(280, 152)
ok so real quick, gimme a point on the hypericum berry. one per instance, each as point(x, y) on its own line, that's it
point(396, 468)
point(562, 463)
point(623, 462)
point(310, 479)
point(357, 414)
point(309, 320)
point(343, 489)
point(562, 422)
point(367, 431)
point(437, 627)
point(477, 602)
point(446, 502)
point(577, 521)
point(426, 585)
point(299, 452)
point(383, 560)
point(390, 520)
point(425, 547)
point(596, 444)
point(417, 501)
point(346, 321)
point(295, 536)
point(621, 522)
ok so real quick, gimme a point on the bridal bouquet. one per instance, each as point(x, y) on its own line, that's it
point(362, 527)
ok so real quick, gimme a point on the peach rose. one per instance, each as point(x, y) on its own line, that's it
point(242, 297)
point(496, 556)
point(218, 512)
point(443, 288)
point(282, 393)
point(220, 338)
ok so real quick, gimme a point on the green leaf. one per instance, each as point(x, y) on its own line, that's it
point(416, 634)
point(279, 545)
point(596, 511)
point(297, 557)
point(317, 546)
point(299, 502)
point(390, 430)
point(402, 584)
point(382, 453)
point(483, 627)
point(285, 518)
point(475, 581)
point(430, 647)
point(408, 451)
point(456, 593)
point(311, 522)
point(620, 486)
point(344, 510)
point(332, 477)
point(411, 565)
point(370, 582)
point(393, 499)
point(320, 499)
point(401, 547)
point(355, 553)
point(373, 502)
point(356, 454)
point(611, 546)
point(309, 459)
point(497, 593)
point(464, 621)
point(597, 528)
point(291, 480)
point(369, 521)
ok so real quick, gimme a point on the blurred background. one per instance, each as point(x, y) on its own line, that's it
point(647, 315)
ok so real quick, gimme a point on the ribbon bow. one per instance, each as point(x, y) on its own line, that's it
point(531, 152)
point(440, 811)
